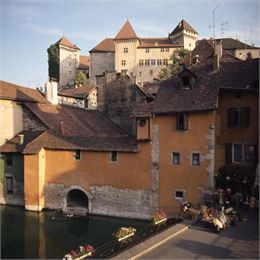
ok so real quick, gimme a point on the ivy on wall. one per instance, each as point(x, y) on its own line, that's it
point(53, 62)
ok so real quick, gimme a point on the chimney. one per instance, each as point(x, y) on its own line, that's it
point(218, 48)
point(215, 62)
point(51, 88)
point(20, 139)
point(196, 58)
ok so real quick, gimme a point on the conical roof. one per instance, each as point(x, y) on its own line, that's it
point(183, 25)
point(126, 32)
point(65, 42)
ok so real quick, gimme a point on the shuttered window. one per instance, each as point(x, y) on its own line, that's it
point(182, 121)
point(238, 117)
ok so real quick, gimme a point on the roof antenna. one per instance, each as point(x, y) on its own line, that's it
point(213, 26)
point(222, 28)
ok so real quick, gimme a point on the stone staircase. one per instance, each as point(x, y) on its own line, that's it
point(75, 211)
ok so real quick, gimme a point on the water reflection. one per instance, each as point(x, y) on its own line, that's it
point(50, 234)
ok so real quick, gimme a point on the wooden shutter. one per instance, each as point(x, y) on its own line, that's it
point(228, 153)
point(244, 116)
point(231, 115)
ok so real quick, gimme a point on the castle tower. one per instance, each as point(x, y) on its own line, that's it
point(184, 35)
point(67, 61)
point(126, 42)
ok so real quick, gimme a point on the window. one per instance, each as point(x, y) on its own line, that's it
point(147, 50)
point(241, 153)
point(113, 156)
point(123, 62)
point(141, 62)
point(238, 117)
point(159, 62)
point(165, 61)
point(147, 62)
point(182, 121)
point(9, 160)
point(186, 81)
point(77, 155)
point(125, 50)
point(196, 159)
point(179, 194)
point(162, 49)
point(167, 49)
point(142, 122)
point(176, 158)
point(9, 185)
point(153, 62)
point(140, 73)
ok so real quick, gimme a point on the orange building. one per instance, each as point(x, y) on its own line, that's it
point(77, 159)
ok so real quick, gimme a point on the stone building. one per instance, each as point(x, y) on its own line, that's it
point(142, 58)
point(69, 62)
point(79, 160)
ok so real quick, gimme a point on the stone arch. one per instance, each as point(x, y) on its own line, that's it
point(77, 200)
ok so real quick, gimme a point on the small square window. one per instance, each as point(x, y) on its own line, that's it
point(114, 156)
point(123, 62)
point(147, 50)
point(195, 159)
point(9, 185)
point(179, 194)
point(77, 155)
point(176, 158)
point(142, 122)
point(125, 50)
point(9, 160)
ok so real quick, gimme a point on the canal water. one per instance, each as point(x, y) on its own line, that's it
point(50, 234)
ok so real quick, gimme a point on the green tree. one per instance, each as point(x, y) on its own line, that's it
point(176, 64)
point(53, 62)
point(80, 77)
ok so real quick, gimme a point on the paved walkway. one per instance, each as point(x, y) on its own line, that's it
point(240, 242)
point(183, 241)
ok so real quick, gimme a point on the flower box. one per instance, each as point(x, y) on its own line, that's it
point(124, 233)
point(125, 237)
point(82, 252)
point(159, 221)
point(83, 256)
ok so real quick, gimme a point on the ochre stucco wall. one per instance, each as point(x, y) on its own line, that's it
point(185, 176)
point(34, 178)
point(235, 135)
point(132, 171)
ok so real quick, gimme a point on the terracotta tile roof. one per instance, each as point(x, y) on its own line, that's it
point(183, 25)
point(126, 32)
point(79, 92)
point(204, 94)
point(84, 62)
point(14, 92)
point(151, 88)
point(157, 42)
point(75, 121)
point(233, 44)
point(31, 141)
point(107, 45)
point(65, 42)
point(143, 110)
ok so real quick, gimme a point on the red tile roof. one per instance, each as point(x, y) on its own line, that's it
point(183, 25)
point(126, 32)
point(203, 95)
point(157, 42)
point(79, 92)
point(65, 42)
point(15, 92)
point(84, 62)
point(107, 45)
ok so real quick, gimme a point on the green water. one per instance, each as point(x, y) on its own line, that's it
point(50, 234)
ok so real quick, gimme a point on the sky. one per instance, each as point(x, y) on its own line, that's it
point(29, 27)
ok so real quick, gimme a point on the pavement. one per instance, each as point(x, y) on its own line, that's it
point(186, 241)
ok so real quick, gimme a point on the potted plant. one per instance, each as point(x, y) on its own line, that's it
point(159, 217)
point(80, 253)
point(124, 233)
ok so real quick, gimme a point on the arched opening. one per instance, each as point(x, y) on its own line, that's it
point(77, 198)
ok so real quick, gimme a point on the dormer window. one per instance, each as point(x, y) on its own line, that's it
point(186, 82)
